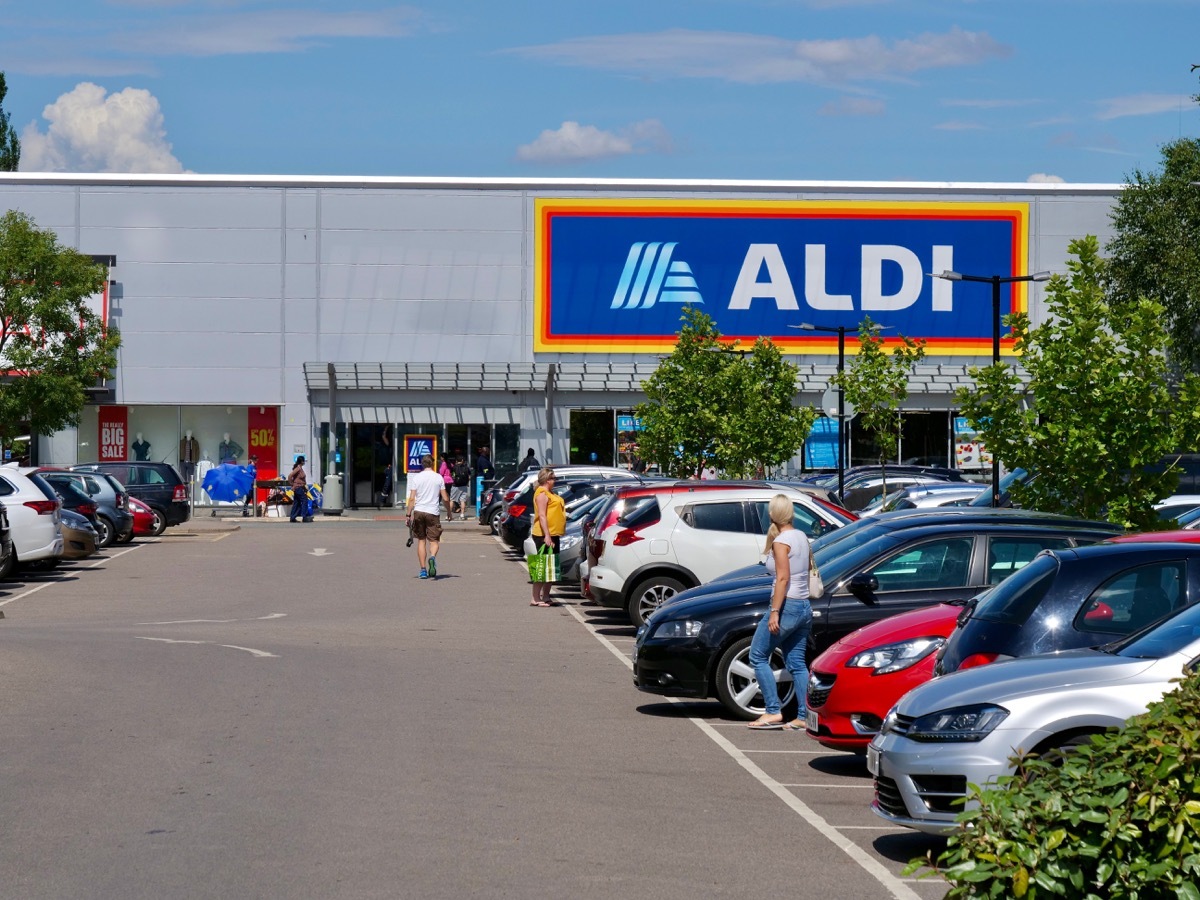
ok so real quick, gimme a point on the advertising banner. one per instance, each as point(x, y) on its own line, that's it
point(416, 446)
point(821, 447)
point(616, 275)
point(262, 422)
point(114, 433)
point(969, 450)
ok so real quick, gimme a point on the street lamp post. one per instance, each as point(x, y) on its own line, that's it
point(995, 281)
point(840, 331)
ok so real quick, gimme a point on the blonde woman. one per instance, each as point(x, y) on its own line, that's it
point(549, 525)
point(789, 621)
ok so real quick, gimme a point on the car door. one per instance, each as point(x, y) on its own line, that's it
point(803, 519)
point(712, 537)
point(921, 572)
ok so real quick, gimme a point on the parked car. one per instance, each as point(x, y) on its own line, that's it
point(33, 513)
point(516, 523)
point(668, 537)
point(143, 518)
point(80, 539)
point(491, 502)
point(112, 519)
point(699, 647)
point(1075, 598)
point(966, 727)
point(929, 495)
point(72, 498)
point(490, 512)
point(6, 544)
point(854, 683)
point(866, 491)
point(158, 485)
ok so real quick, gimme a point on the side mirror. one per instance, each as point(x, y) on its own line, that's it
point(863, 585)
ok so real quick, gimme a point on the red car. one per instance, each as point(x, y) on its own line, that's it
point(143, 518)
point(854, 683)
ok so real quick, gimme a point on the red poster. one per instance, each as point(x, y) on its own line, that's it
point(263, 425)
point(114, 433)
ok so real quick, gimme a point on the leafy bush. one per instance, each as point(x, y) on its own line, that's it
point(1114, 820)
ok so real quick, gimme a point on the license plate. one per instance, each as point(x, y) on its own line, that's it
point(811, 722)
point(873, 761)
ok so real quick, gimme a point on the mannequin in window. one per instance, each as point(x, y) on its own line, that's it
point(189, 455)
point(140, 448)
point(228, 451)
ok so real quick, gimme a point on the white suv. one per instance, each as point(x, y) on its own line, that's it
point(659, 540)
point(33, 517)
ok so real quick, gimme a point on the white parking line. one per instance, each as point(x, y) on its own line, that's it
point(895, 886)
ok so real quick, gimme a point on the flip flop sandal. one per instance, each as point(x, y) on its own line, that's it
point(765, 726)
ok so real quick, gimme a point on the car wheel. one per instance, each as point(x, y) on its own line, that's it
point(494, 521)
point(649, 595)
point(105, 531)
point(125, 538)
point(737, 686)
point(160, 522)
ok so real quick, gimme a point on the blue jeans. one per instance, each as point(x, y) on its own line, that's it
point(299, 504)
point(795, 623)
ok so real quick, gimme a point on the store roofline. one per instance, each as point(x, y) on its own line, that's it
point(109, 179)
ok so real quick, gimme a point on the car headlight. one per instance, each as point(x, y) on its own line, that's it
point(895, 657)
point(678, 628)
point(963, 723)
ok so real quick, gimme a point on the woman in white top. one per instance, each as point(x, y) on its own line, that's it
point(789, 621)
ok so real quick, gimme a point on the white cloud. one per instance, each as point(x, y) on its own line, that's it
point(1043, 178)
point(265, 31)
point(572, 142)
point(853, 106)
point(90, 132)
point(1141, 105)
point(759, 59)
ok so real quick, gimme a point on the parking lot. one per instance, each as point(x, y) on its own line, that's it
point(283, 710)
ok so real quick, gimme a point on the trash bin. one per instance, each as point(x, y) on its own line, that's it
point(332, 505)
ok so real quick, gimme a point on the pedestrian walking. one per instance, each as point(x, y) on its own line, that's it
point(549, 525)
point(529, 462)
point(422, 513)
point(298, 482)
point(789, 621)
point(252, 468)
point(460, 486)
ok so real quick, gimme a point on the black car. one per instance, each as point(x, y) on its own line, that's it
point(113, 520)
point(158, 485)
point(491, 502)
point(1067, 599)
point(72, 497)
point(7, 558)
point(517, 521)
point(698, 646)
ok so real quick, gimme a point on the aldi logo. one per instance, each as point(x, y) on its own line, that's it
point(760, 266)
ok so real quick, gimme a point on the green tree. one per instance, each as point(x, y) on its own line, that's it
point(52, 346)
point(877, 385)
point(1100, 410)
point(711, 404)
point(1156, 250)
point(10, 146)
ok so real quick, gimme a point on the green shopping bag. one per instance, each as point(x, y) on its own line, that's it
point(543, 566)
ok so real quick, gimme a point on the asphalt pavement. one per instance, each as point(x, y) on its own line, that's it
point(252, 708)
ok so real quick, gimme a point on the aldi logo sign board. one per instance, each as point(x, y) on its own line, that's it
point(615, 275)
point(416, 446)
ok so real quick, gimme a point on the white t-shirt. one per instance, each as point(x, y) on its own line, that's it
point(427, 485)
point(798, 555)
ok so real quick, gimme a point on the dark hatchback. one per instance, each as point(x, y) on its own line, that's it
point(158, 485)
point(1066, 599)
point(517, 521)
point(698, 646)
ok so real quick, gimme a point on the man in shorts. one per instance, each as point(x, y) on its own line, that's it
point(422, 512)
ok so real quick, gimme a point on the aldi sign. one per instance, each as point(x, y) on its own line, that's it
point(416, 446)
point(615, 275)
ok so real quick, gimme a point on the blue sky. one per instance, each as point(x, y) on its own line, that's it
point(861, 90)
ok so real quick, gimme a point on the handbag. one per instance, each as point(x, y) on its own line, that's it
point(543, 566)
point(816, 586)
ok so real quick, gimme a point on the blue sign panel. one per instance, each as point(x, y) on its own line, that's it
point(821, 447)
point(416, 446)
point(615, 275)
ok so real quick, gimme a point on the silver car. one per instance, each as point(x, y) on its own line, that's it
point(964, 728)
point(925, 496)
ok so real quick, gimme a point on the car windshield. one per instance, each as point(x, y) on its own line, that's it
point(1006, 483)
point(1187, 518)
point(1013, 601)
point(590, 505)
point(1165, 638)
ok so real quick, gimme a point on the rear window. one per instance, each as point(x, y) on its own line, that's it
point(43, 485)
point(637, 512)
point(1013, 601)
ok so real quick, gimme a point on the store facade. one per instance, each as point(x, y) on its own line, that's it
point(511, 314)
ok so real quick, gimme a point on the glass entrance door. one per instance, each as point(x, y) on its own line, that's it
point(372, 449)
point(593, 437)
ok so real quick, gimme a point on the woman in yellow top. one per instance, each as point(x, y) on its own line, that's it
point(549, 525)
